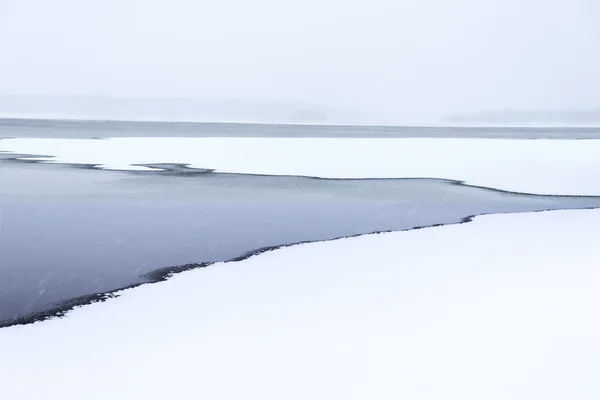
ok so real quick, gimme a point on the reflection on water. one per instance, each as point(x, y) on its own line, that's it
point(67, 232)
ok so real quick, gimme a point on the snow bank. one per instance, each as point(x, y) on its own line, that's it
point(533, 166)
point(501, 308)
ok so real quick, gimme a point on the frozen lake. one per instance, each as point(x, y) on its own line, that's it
point(71, 232)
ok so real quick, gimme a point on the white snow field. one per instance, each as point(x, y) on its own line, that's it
point(501, 308)
point(533, 166)
point(504, 307)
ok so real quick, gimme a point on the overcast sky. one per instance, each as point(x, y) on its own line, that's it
point(412, 59)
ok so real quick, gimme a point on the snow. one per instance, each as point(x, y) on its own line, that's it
point(568, 167)
point(501, 308)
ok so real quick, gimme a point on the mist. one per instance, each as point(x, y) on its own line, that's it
point(379, 61)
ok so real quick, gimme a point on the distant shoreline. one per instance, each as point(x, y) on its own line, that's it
point(35, 120)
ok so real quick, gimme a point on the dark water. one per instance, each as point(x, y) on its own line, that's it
point(91, 129)
point(67, 232)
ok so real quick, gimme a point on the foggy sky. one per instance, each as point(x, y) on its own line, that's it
point(410, 59)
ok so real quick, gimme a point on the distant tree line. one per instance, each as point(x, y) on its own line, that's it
point(524, 116)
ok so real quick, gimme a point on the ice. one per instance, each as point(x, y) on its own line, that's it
point(499, 308)
point(567, 167)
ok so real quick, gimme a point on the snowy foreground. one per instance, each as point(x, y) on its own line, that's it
point(501, 308)
point(533, 166)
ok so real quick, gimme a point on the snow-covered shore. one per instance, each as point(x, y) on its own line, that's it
point(502, 307)
point(499, 308)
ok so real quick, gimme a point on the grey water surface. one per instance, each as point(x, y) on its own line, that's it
point(40, 128)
